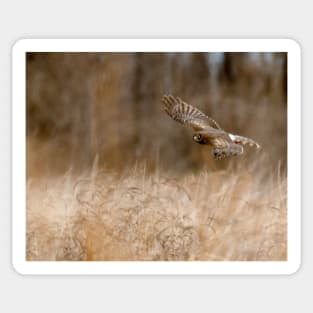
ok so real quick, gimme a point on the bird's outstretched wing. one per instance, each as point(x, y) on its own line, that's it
point(186, 114)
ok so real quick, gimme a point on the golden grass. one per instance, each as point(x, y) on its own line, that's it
point(229, 215)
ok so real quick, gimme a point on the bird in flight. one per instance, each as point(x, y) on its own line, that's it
point(206, 130)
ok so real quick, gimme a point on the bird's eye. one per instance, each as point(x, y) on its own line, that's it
point(197, 137)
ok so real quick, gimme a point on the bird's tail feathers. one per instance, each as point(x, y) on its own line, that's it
point(244, 141)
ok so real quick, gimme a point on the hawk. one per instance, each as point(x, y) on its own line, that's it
point(206, 130)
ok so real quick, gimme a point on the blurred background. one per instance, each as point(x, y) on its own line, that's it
point(83, 107)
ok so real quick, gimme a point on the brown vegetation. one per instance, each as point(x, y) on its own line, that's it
point(221, 215)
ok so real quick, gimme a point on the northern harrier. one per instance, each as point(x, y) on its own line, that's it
point(207, 131)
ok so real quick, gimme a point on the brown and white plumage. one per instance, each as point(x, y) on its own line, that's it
point(207, 130)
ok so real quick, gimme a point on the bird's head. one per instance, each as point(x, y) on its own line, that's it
point(197, 137)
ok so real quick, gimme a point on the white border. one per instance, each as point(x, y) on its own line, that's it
point(155, 268)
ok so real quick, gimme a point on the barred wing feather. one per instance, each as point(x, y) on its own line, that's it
point(186, 114)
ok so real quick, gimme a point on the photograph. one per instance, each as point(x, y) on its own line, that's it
point(156, 156)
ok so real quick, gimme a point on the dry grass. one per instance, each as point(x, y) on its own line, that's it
point(223, 215)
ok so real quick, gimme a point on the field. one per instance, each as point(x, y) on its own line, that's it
point(111, 177)
point(215, 216)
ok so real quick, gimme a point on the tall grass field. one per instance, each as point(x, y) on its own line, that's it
point(212, 216)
